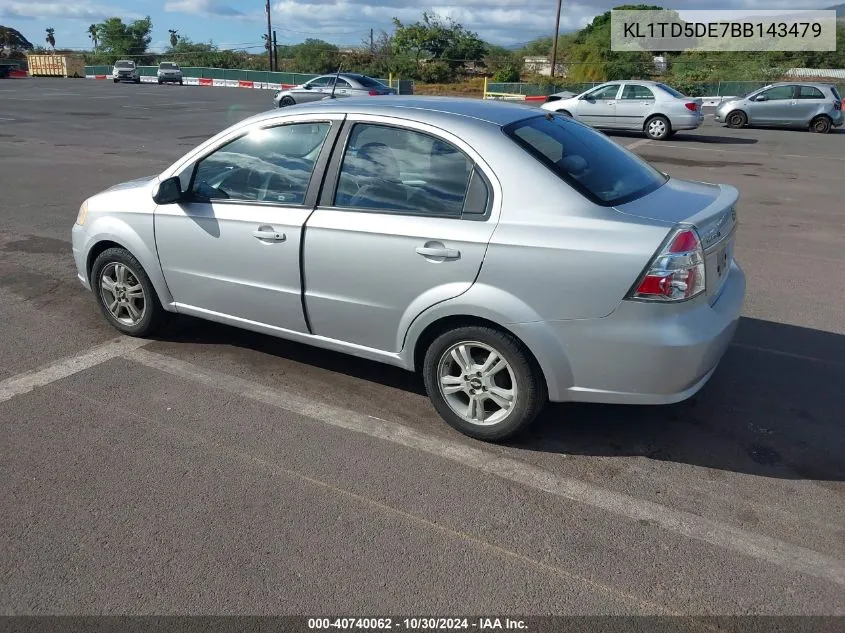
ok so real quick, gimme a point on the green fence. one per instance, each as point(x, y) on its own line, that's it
point(403, 86)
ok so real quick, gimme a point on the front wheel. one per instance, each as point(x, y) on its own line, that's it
point(125, 294)
point(181, 82)
point(483, 382)
point(286, 101)
point(116, 80)
point(658, 128)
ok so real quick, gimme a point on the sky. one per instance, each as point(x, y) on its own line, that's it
point(240, 23)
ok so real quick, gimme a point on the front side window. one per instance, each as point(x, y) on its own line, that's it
point(778, 93)
point(587, 160)
point(266, 165)
point(608, 92)
point(321, 82)
point(808, 92)
point(633, 91)
point(393, 169)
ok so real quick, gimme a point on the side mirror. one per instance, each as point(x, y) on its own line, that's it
point(306, 86)
point(586, 98)
point(169, 191)
point(761, 98)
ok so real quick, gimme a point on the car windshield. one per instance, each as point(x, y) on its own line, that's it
point(671, 91)
point(586, 159)
point(124, 64)
point(369, 82)
point(168, 65)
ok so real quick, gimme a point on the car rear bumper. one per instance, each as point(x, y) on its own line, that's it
point(643, 353)
point(683, 122)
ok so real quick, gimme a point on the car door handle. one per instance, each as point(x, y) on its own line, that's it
point(269, 235)
point(434, 251)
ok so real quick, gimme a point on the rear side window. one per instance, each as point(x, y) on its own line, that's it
point(808, 92)
point(835, 93)
point(632, 91)
point(597, 167)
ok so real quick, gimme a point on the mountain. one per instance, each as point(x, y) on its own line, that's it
point(840, 10)
point(12, 39)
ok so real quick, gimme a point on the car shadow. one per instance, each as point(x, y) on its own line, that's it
point(775, 406)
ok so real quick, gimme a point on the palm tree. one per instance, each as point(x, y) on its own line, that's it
point(174, 39)
point(92, 35)
point(51, 37)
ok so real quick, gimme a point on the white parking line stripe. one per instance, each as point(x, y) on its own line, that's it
point(639, 143)
point(773, 154)
point(692, 526)
point(26, 382)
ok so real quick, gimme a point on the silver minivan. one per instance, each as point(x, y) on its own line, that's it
point(813, 106)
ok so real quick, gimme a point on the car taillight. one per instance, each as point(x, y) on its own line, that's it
point(374, 93)
point(691, 106)
point(676, 273)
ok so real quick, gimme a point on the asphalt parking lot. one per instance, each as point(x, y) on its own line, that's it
point(215, 471)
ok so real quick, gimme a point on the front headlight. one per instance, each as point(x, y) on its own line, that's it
point(83, 214)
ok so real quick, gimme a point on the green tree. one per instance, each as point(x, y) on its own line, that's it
point(315, 56)
point(174, 37)
point(589, 57)
point(92, 35)
point(12, 39)
point(537, 48)
point(435, 38)
point(51, 37)
point(125, 40)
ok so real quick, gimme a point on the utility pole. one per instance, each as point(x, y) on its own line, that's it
point(554, 44)
point(275, 52)
point(372, 45)
point(269, 35)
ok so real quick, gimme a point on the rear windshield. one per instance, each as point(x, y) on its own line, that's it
point(167, 65)
point(670, 90)
point(124, 64)
point(835, 93)
point(369, 82)
point(603, 171)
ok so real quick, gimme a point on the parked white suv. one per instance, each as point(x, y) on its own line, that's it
point(125, 70)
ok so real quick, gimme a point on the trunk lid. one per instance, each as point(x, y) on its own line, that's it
point(710, 208)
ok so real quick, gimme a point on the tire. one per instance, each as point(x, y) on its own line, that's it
point(565, 113)
point(181, 82)
point(108, 264)
point(286, 101)
point(736, 119)
point(138, 80)
point(658, 128)
point(519, 377)
point(116, 80)
point(821, 125)
point(160, 82)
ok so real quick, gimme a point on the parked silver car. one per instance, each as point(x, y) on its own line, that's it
point(169, 72)
point(125, 70)
point(647, 106)
point(813, 106)
point(510, 256)
point(348, 85)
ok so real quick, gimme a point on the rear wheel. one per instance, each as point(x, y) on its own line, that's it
point(736, 119)
point(483, 382)
point(658, 128)
point(181, 82)
point(286, 101)
point(116, 80)
point(821, 125)
point(125, 294)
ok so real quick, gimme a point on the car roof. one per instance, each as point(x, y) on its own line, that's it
point(815, 84)
point(418, 108)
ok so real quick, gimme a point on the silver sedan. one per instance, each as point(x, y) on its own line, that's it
point(509, 256)
point(643, 106)
point(342, 85)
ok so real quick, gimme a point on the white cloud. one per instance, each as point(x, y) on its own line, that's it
point(60, 10)
point(202, 7)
